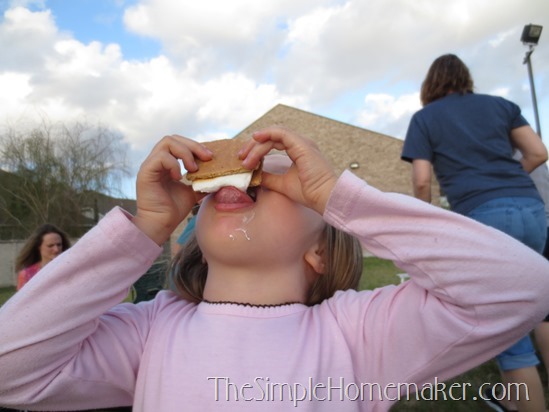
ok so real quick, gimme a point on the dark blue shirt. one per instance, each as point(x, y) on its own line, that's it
point(467, 139)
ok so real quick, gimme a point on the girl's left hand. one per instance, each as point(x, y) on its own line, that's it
point(310, 179)
point(162, 200)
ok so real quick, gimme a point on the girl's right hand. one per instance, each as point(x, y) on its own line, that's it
point(162, 200)
point(309, 180)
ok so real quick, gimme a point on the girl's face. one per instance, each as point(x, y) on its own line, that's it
point(233, 225)
point(51, 246)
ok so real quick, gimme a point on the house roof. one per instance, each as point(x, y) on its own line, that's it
point(377, 156)
point(105, 203)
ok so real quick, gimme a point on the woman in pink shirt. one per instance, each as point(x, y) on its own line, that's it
point(44, 245)
point(255, 323)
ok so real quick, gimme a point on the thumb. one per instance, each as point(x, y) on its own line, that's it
point(272, 182)
point(286, 184)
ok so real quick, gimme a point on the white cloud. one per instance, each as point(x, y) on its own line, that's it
point(15, 88)
point(73, 58)
point(307, 28)
point(143, 99)
point(388, 113)
point(26, 39)
point(247, 99)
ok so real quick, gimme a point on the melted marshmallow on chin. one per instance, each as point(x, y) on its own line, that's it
point(240, 180)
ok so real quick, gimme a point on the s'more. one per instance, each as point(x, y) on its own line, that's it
point(225, 169)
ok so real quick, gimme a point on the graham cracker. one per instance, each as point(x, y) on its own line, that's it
point(225, 162)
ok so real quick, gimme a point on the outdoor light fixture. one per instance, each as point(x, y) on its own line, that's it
point(530, 37)
point(531, 34)
point(354, 165)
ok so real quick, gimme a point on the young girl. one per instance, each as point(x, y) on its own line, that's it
point(256, 325)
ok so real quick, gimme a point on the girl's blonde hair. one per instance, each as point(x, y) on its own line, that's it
point(342, 254)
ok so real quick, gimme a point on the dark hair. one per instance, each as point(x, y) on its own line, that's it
point(446, 74)
point(342, 260)
point(30, 253)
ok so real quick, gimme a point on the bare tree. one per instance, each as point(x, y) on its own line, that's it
point(55, 171)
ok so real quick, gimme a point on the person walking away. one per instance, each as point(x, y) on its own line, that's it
point(469, 140)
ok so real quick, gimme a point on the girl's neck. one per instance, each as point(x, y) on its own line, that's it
point(255, 287)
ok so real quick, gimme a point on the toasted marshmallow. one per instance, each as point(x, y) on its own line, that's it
point(239, 180)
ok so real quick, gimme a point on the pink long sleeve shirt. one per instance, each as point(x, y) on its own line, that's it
point(66, 343)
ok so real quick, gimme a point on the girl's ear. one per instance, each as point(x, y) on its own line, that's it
point(315, 259)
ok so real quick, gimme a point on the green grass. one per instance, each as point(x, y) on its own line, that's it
point(377, 273)
point(5, 294)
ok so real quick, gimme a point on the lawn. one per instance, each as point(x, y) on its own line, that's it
point(378, 273)
point(5, 294)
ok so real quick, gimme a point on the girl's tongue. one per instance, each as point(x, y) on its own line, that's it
point(230, 195)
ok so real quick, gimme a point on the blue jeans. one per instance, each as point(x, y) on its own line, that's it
point(524, 219)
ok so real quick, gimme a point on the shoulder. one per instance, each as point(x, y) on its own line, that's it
point(165, 308)
point(500, 101)
point(352, 304)
point(168, 298)
point(431, 110)
point(31, 270)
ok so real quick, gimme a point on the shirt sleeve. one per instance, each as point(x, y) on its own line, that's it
point(61, 323)
point(515, 116)
point(473, 292)
point(417, 144)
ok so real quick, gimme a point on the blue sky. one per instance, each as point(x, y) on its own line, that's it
point(101, 20)
point(207, 69)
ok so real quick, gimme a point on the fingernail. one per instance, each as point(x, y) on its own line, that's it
point(207, 150)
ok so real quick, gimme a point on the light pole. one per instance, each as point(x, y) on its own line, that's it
point(530, 37)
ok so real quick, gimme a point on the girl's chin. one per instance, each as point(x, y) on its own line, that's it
point(230, 230)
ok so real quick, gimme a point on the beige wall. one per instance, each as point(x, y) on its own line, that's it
point(8, 252)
